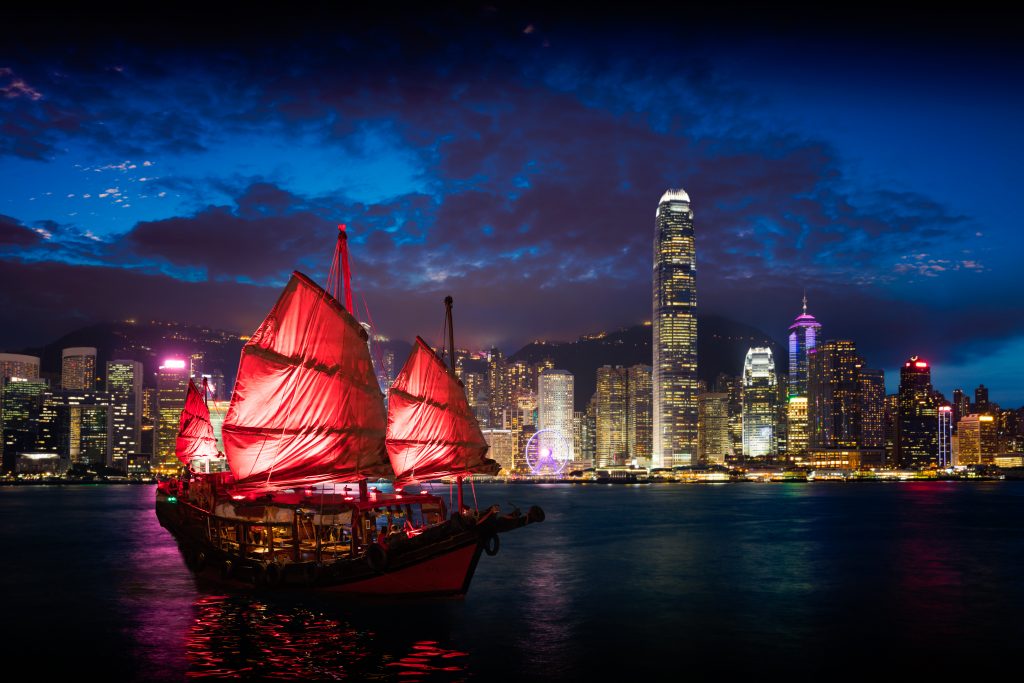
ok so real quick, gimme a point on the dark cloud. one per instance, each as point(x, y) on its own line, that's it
point(543, 156)
point(14, 234)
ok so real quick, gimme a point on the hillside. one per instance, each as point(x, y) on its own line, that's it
point(721, 346)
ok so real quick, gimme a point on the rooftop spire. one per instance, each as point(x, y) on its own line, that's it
point(805, 302)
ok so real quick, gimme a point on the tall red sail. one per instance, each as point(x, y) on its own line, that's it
point(431, 430)
point(306, 406)
point(195, 433)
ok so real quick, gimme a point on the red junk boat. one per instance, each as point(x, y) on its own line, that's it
point(305, 431)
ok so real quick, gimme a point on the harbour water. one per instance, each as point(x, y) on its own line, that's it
point(657, 581)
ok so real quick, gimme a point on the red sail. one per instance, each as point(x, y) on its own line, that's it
point(431, 431)
point(195, 433)
point(306, 406)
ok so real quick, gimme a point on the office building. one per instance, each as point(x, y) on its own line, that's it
point(715, 444)
point(124, 384)
point(610, 415)
point(917, 438)
point(171, 387)
point(759, 411)
point(554, 411)
point(674, 333)
point(18, 365)
point(639, 414)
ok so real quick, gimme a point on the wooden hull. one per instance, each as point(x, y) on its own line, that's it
point(440, 563)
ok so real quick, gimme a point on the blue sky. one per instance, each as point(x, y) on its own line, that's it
point(513, 158)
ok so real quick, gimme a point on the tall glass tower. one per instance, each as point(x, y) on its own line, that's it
point(675, 333)
point(803, 338)
point(759, 387)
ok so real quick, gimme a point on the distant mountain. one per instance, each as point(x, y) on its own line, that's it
point(721, 347)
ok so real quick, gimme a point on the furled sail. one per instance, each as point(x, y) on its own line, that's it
point(195, 433)
point(306, 406)
point(431, 430)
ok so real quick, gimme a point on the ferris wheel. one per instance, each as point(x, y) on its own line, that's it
point(547, 452)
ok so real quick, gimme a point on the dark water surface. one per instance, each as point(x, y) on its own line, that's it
point(665, 582)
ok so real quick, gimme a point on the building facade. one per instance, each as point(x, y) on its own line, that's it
point(917, 428)
point(171, 387)
point(715, 442)
point(555, 394)
point(124, 384)
point(674, 333)
point(610, 413)
point(639, 414)
point(759, 411)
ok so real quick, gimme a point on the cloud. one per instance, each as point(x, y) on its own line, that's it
point(14, 234)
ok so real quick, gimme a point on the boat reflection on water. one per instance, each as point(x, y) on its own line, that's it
point(247, 636)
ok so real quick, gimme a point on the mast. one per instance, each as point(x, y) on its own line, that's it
point(450, 327)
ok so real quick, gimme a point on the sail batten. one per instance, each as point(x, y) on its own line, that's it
point(306, 406)
point(431, 430)
point(195, 432)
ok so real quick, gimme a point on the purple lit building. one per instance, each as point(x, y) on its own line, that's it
point(803, 339)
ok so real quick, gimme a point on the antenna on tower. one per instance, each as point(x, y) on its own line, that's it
point(805, 302)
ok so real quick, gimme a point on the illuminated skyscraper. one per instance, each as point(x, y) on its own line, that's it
point(759, 395)
point(21, 402)
point(945, 436)
point(675, 333)
point(834, 396)
point(124, 384)
point(639, 414)
point(803, 339)
point(872, 419)
point(796, 416)
point(78, 368)
point(713, 411)
point(978, 440)
point(610, 413)
point(981, 404)
point(171, 388)
point(18, 365)
point(917, 438)
point(961, 406)
point(554, 409)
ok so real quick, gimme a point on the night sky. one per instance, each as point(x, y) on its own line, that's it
point(179, 168)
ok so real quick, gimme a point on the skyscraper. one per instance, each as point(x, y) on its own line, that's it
point(715, 443)
point(872, 419)
point(803, 339)
point(961, 406)
point(18, 365)
point(77, 374)
point(978, 440)
point(981, 404)
point(610, 413)
point(675, 333)
point(945, 436)
point(554, 409)
point(171, 388)
point(759, 394)
point(639, 414)
point(124, 384)
point(21, 402)
point(834, 396)
point(917, 428)
point(796, 416)
point(78, 368)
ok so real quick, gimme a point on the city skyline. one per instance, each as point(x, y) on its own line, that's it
point(522, 175)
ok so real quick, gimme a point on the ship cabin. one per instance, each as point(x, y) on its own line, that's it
point(311, 525)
